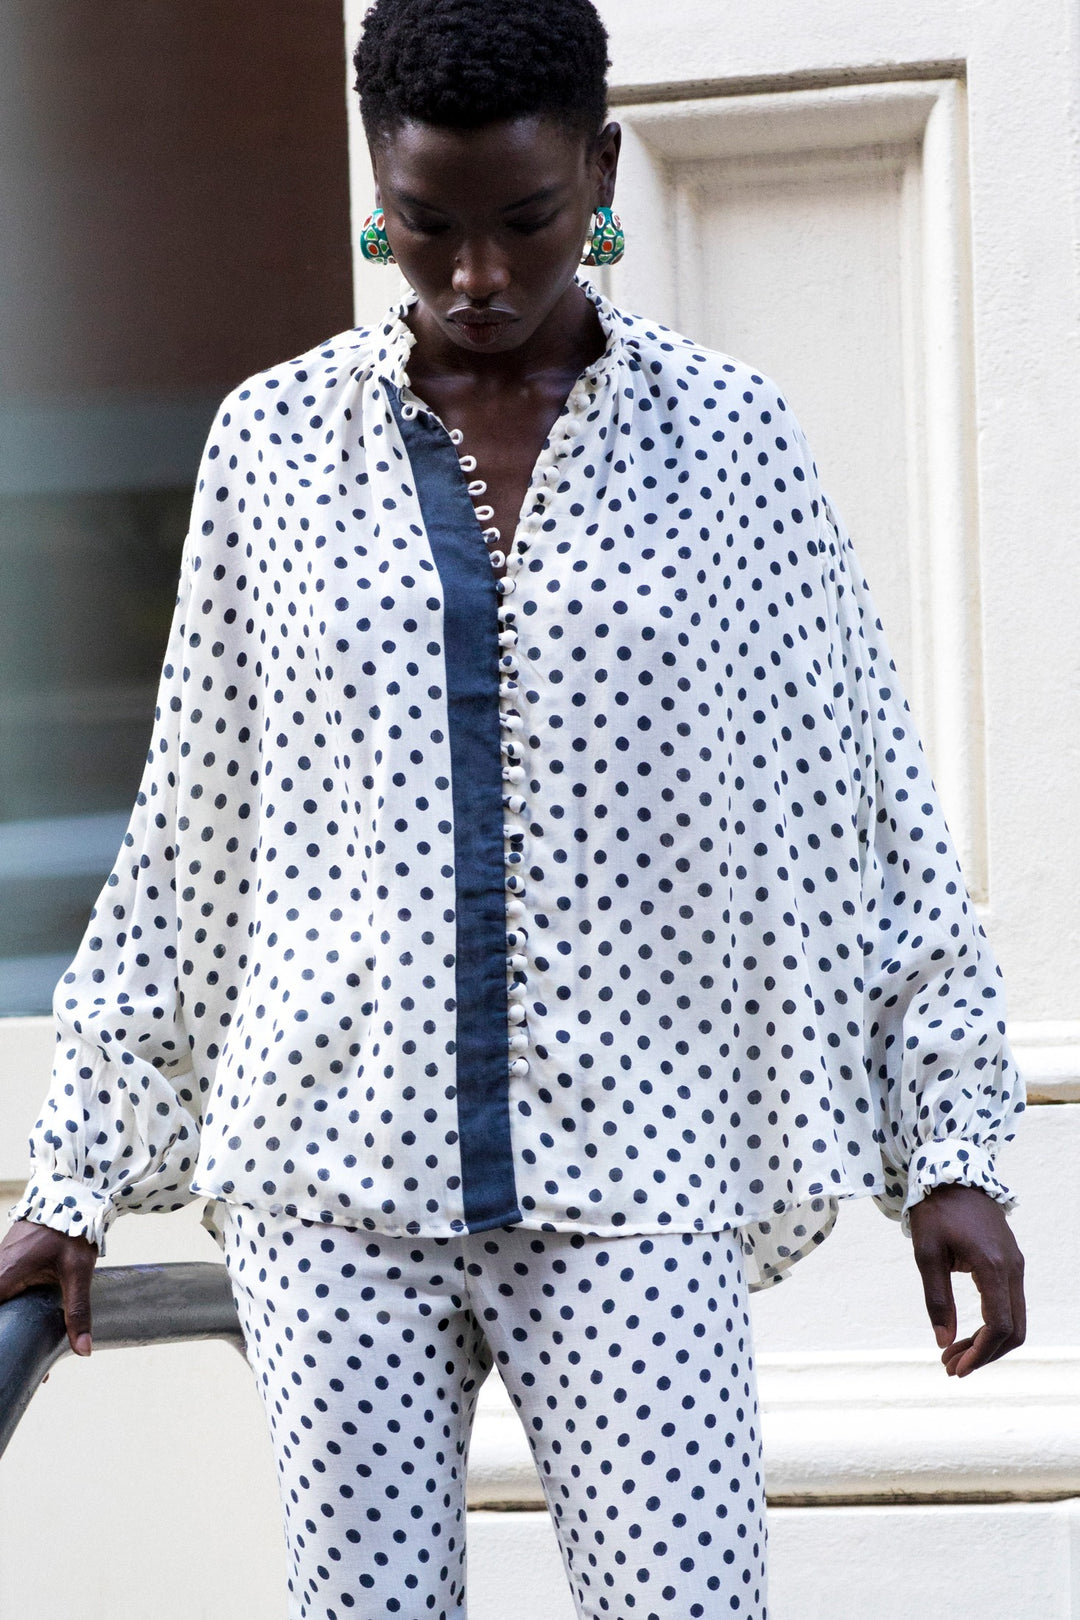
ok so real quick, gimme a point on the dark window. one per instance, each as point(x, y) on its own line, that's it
point(174, 190)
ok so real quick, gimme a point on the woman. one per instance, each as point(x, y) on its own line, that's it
point(536, 914)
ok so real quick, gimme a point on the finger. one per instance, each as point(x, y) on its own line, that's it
point(1019, 1302)
point(75, 1290)
point(951, 1358)
point(938, 1292)
point(998, 1332)
point(987, 1345)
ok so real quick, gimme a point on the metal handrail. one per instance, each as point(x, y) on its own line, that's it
point(130, 1305)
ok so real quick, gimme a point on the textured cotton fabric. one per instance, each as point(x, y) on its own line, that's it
point(612, 896)
point(629, 1361)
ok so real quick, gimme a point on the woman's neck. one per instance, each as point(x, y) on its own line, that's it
point(568, 340)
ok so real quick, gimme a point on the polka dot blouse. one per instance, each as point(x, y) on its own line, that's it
point(608, 895)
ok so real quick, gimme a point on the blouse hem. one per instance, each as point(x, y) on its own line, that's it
point(760, 1232)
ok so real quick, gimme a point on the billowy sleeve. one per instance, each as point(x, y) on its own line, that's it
point(943, 1081)
point(120, 1124)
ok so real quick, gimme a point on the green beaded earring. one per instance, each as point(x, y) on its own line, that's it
point(607, 241)
point(374, 243)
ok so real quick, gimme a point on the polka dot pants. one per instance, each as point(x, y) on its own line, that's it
point(628, 1359)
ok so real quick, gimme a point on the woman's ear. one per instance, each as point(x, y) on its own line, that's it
point(605, 158)
point(373, 155)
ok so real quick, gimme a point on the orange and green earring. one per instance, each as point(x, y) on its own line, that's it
point(607, 240)
point(374, 243)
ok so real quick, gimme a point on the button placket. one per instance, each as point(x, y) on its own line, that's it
point(511, 722)
point(515, 832)
point(511, 726)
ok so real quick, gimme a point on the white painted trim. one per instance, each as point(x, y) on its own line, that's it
point(375, 286)
point(26, 1046)
point(837, 118)
point(945, 564)
point(892, 1426)
point(1048, 1054)
point(359, 167)
point(923, 124)
point(867, 1427)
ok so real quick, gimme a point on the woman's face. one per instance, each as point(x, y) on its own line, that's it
point(488, 224)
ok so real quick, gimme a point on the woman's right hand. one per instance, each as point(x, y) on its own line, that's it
point(32, 1254)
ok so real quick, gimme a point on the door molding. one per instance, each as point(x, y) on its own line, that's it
point(920, 125)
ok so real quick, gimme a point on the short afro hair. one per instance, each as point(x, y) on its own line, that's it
point(462, 64)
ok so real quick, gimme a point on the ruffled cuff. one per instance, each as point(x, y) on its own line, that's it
point(940, 1164)
point(67, 1206)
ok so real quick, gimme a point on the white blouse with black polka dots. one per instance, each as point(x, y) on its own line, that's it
point(612, 895)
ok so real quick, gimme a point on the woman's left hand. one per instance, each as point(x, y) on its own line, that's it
point(957, 1228)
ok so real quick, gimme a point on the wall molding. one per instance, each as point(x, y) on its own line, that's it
point(867, 1428)
point(826, 78)
point(920, 123)
point(1048, 1056)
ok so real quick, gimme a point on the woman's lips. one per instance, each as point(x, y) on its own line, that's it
point(481, 327)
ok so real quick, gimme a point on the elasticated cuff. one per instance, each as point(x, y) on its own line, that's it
point(957, 1163)
point(67, 1206)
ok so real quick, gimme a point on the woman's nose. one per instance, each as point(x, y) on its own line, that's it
point(480, 271)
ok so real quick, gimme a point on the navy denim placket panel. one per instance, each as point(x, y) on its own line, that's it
point(471, 651)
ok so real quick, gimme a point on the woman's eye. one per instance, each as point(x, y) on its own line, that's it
point(423, 227)
point(526, 227)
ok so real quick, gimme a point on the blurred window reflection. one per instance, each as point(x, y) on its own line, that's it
point(173, 180)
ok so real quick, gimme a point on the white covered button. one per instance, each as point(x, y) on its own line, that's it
point(519, 1041)
point(513, 773)
point(519, 1067)
point(515, 910)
